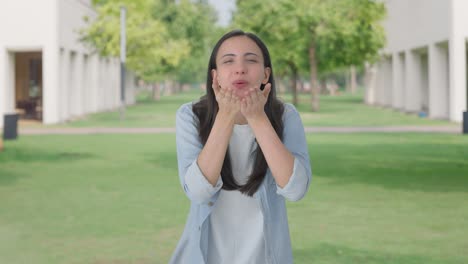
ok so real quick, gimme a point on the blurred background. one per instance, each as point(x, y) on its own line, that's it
point(88, 166)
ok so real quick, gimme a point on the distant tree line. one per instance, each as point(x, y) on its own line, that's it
point(171, 40)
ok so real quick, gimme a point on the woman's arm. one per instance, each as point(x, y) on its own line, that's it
point(200, 166)
point(211, 157)
point(288, 160)
point(279, 159)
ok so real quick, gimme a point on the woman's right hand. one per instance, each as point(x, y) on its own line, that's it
point(228, 102)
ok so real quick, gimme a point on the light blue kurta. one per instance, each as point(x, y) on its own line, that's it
point(193, 246)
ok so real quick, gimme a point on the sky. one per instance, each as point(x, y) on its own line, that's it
point(224, 8)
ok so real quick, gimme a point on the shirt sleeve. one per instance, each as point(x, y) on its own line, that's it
point(194, 183)
point(295, 141)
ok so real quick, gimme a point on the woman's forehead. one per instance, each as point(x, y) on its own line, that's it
point(239, 46)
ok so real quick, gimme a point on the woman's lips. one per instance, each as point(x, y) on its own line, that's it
point(240, 84)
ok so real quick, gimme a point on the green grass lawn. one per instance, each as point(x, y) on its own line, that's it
point(343, 110)
point(374, 198)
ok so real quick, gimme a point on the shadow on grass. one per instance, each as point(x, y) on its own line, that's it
point(26, 155)
point(330, 104)
point(409, 166)
point(8, 176)
point(15, 156)
point(327, 253)
point(166, 160)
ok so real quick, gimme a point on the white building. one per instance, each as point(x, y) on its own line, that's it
point(45, 72)
point(424, 65)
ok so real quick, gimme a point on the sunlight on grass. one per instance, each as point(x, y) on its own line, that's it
point(374, 198)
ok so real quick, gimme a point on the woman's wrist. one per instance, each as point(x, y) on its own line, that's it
point(228, 116)
point(257, 119)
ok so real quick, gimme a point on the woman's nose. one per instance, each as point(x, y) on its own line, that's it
point(241, 69)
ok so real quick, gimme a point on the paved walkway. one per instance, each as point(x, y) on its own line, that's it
point(122, 130)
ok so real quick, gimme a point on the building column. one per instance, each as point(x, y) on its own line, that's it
point(102, 88)
point(51, 72)
point(94, 82)
point(438, 81)
point(457, 94)
point(64, 84)
point(370, 83)
point(457, 60)
point(78, 85)
point(398, 80)
point(413, 87)
point(380, 82)
point(86, 95)
point(3, 82)
point(7, 83)
point(71, 86)
point(388, 82)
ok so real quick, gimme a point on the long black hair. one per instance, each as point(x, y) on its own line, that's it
point(207, 108)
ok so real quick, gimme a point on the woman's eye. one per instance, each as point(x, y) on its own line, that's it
point(228, 61)
point(252, 61)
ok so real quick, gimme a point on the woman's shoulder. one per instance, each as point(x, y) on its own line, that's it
point(185, 115)
point(289, 110)
point(185, 109)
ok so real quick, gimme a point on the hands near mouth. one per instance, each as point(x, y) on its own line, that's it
point(251, 105)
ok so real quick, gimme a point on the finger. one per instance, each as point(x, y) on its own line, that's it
point(221, 94)
point(228, 94)
point(243, 104)
point(215, 86)
point(266, 90)
point(235, 99)
point(248, 99)
point(254, 95)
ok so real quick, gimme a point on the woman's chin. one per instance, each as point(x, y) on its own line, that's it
point(240, 93)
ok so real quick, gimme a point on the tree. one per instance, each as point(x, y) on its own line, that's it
point(275, 24)
point(194, 22)
point(333, 33)
point(340, 33)
point(150, 49)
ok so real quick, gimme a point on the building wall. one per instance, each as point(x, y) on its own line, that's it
point(415, 23)
point(19, 35)
point(75, 80)
point(427, 41)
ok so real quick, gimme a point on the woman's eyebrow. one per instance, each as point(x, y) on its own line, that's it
point(233, 55)
point(250, 53)
point(229, 54)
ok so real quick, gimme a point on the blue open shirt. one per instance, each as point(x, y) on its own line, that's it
point(193, 245)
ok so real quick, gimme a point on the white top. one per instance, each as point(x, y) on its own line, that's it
point(236, 230)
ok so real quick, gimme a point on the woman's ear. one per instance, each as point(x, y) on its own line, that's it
point(214, 76)
point(267, 75)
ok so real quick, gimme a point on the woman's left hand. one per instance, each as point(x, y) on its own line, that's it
point(253, 104)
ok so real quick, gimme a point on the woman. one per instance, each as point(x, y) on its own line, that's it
point(240, 152)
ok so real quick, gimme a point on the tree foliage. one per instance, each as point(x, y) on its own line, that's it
point(318, 36)
point(165, 38)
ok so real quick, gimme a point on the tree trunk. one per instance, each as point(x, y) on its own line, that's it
point(168, 87)
point(156, 92)
point(280, 89)
point(314, 87)
point(348, 81)
point(294, 83)
point(353, 80)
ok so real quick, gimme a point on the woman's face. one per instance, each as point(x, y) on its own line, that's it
point(240, 66)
